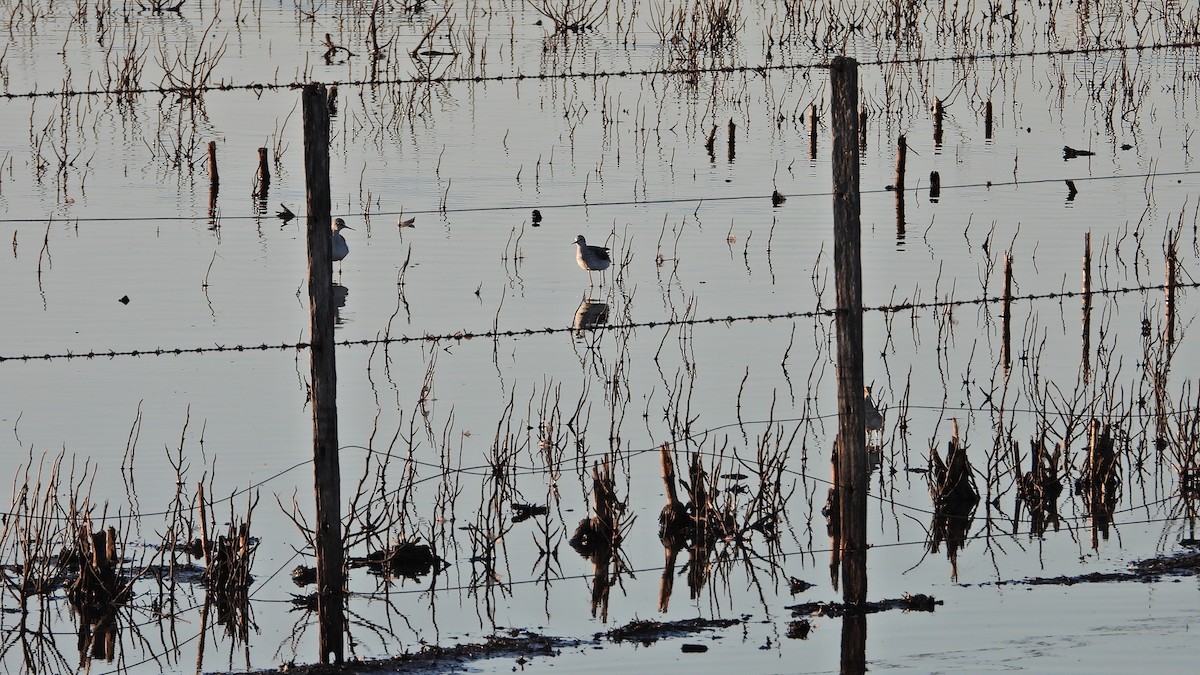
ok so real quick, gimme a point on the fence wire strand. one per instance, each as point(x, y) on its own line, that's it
point(554, 330)
point(193, 92)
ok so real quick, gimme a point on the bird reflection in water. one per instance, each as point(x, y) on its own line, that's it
point(340, 293)
point(591, 314)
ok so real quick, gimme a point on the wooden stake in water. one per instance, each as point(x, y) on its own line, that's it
point(1169, 331)
point(327, 471)
point(263, 185)
point(937, 121)
point(1006, 324)
point(852, 466)
point(935, 186)
point(987, 120)
point(731, 144)
point(862, 129)
point(1087, 305)
point(214, 182)
point(901, 159)
point(813, 119)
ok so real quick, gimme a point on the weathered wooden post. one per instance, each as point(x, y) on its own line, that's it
point(987, 120)
point(262, 184)
point(847, 263)
point(214, 179)
point(214, 183)
point(938, 111)
point(327, 471)
point(731, 143)
point(813, 126)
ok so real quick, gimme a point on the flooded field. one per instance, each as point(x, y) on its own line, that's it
point(505, 419)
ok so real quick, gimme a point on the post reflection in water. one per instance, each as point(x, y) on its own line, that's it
point(854, 642)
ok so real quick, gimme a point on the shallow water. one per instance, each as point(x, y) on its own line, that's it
point(621, 159)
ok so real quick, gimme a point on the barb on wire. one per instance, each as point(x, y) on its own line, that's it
point(551, 330)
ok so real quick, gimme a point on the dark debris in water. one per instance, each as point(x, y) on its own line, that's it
point(909, 603)
point(523, 512)
point(1151, 569)
point(799, 630)
point(304, 575)
point(796, 585)
point(409, 559)
point(435, 659)
point(646, 632)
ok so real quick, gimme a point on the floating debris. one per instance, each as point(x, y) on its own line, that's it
point(523, 512)
point(646, 632)
point(303, 576)
point(799, 630)
point(796, 585)
point(909, 603)
point(403, 559)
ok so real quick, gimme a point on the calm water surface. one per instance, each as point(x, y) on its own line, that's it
point(623, 160)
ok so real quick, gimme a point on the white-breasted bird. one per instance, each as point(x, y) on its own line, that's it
point(591, 258)
point(340, 248)
point(872, 418)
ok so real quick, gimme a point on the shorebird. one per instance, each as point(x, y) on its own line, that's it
point(872, 418)
point(340, 248)
point(591, 258)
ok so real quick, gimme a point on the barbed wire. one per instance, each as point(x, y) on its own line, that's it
point(192, 92)
point(699, 201)
point(553, 330)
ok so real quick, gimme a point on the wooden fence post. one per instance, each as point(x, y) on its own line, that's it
point(847, 261)
point(327, 472)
